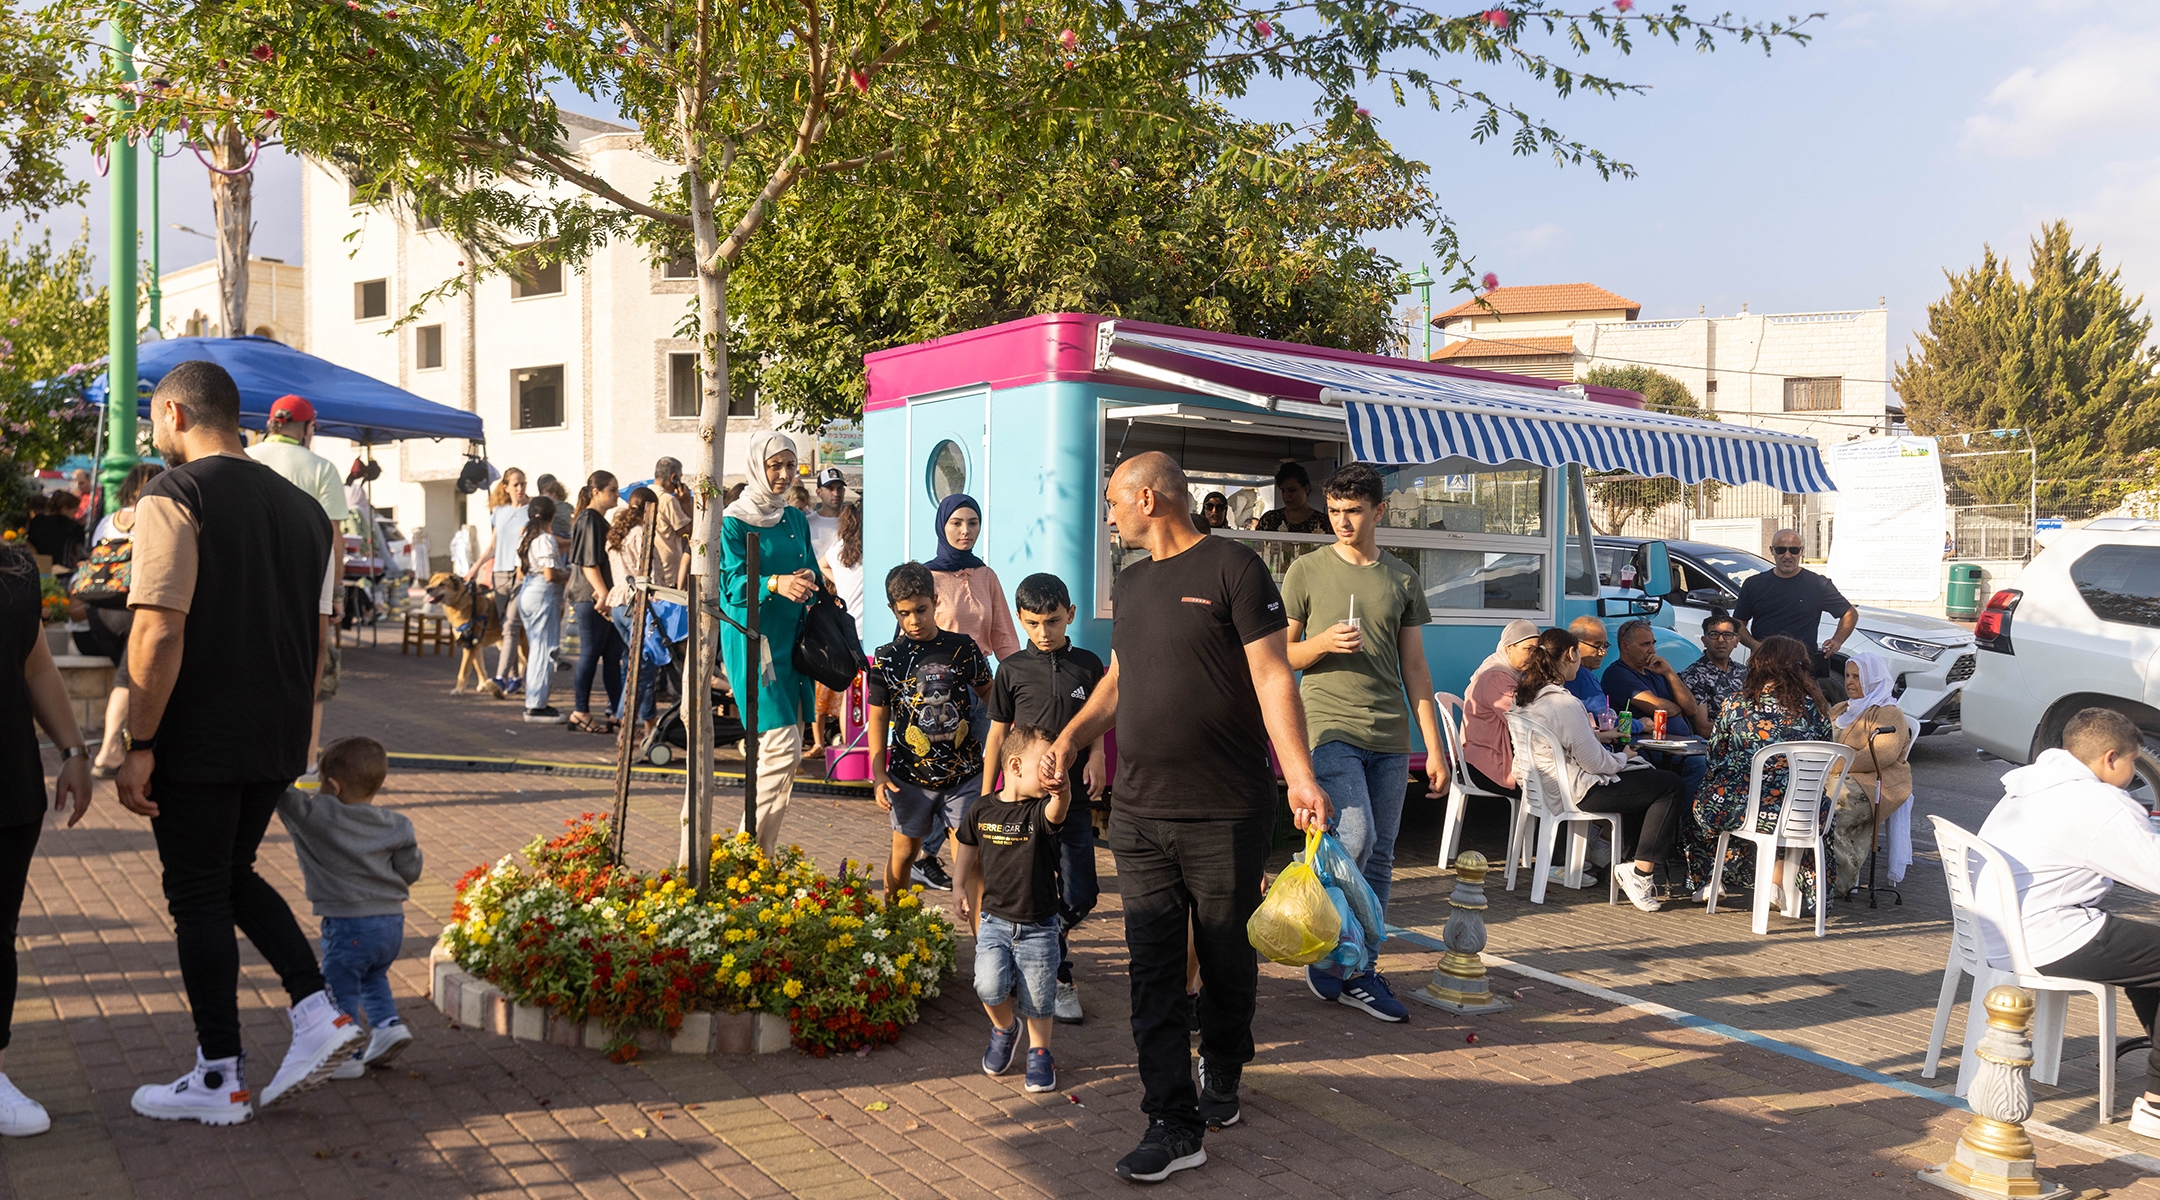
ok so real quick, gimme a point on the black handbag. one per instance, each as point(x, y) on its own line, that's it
point(827, 648)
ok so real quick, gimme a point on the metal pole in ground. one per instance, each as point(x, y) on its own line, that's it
point(746, 693)
point(627, 741)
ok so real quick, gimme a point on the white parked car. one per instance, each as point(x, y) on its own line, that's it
point(2080, 630)
point(1931, 658)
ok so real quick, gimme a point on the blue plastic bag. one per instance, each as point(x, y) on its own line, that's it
point(1338, 870)
point(1349, 951)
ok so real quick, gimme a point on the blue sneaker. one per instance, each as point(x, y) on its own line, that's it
point(1371, 993)
point(1323, 984)
point(1003, 1042)
point(1041, 1071)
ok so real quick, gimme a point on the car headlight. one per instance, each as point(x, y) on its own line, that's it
point(1909, 646)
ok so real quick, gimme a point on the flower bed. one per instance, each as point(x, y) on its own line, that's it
point(636, 951)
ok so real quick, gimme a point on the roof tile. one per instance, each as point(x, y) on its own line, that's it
point(1543, 298)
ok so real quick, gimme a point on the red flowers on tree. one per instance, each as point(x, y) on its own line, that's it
point(1491, 281)
point(1497, 18)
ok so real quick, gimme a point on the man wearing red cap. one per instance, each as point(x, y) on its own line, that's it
point(284, 449)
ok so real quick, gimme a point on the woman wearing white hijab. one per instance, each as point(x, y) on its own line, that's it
point(1879, 787)
point(788, 577)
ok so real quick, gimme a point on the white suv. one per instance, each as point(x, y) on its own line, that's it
point(2080, 630)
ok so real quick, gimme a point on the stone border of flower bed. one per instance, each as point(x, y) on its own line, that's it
point(482, 1005)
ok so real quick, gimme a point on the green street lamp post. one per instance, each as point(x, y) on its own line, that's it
point(120, 331)
point(1422, 283)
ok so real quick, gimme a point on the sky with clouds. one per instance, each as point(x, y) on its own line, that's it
point(1906, 135)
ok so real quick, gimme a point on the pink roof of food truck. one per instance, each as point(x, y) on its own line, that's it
point(1061, 346)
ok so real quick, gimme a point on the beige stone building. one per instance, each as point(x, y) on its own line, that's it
point(277, 302)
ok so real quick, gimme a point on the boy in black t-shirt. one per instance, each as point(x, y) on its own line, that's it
point(1008, 868)
point(931, 679)
point(1045, 685)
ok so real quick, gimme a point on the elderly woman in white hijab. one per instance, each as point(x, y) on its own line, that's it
point(788, 577)
point(1879, 787)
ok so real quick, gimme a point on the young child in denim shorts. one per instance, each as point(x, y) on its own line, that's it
point(359, 861)
point(1008, 869)
point(925, 691)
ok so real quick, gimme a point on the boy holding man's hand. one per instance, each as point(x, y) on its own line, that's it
point(1008, 872)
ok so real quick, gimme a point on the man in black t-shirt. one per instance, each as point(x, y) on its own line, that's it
point(1792, 601)
point(1199, 683)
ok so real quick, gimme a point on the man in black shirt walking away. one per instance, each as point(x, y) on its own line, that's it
point(1792, 600)
point(232, 583)
point(1199, 682)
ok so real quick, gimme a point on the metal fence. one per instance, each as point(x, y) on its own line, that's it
point(1995, 531)
point(1663, 508)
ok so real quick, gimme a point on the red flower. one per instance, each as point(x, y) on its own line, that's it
point(1496, 17)
point(1364, 114)
point(1623, 5)
point(1264, 29)
point(1068, 39)
point(1490, 281)
point(269, 114)
point(262, 53)
point(860, 80)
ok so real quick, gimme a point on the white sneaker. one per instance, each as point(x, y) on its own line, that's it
point(20, 1116)
point(1637, 886)
point(1068, 1004)
point(350, 1068)
point(214, 1093)
point(1557, 877)
point(2144, 1118)
point(320, 1034)
point(385, 1043)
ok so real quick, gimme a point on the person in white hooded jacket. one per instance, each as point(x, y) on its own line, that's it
point(2069, 831)
point(1600, 780)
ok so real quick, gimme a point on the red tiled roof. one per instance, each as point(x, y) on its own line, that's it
point(1505, 348)
point(1543, 298)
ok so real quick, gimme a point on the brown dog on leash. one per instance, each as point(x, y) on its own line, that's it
point(474, 624)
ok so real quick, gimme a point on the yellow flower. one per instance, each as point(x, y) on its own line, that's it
point(669, 886)
point(914, 989)
point(482, 938)
point(652, 931)
point(726, 961)
point(904, 961)
point(792, 988)
point(909, 902)
point(742, 979)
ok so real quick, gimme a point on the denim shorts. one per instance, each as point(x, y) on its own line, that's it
point(917, 811)
point(1010, 957)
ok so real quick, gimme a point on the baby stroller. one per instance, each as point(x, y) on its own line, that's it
point(670, 735)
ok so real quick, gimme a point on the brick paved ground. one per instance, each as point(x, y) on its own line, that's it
point(1562, 1096)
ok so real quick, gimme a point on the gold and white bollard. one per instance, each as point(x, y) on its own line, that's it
point(1460, 985)
point(1994, 1158)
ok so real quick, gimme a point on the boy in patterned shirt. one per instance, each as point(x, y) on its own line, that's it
point(926, 765)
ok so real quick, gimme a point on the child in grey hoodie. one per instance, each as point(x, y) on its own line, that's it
point(359, 862)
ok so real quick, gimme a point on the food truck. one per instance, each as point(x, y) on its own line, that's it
point(1484, 472)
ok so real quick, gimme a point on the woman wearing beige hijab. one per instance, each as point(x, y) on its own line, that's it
point(788, 577)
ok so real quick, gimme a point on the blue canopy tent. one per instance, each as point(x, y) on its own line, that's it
point(347, 404)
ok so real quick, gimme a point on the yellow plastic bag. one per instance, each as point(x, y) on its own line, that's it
point(1296, 924)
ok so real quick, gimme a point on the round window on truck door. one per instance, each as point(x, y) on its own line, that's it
point(947, 470)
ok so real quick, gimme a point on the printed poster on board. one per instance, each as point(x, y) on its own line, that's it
point(1887, 541)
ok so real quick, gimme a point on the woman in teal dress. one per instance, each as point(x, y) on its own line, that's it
point(788, 577)
point(1777, 704)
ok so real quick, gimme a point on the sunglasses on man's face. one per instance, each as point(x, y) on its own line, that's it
point(1784, 550)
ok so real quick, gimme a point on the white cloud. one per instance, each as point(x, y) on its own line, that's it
point(2119, 219)
point(2101, 84)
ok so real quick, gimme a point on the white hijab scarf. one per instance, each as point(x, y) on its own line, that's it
point(1876, 685)
point(759, 504)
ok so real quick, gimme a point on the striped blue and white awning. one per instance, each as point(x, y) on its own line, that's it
point(1403, 415)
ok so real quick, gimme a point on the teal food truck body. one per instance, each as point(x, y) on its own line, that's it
point(1484, 472)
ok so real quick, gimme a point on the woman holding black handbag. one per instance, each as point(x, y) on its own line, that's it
point(788, 579)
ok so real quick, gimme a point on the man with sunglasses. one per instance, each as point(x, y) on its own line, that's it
point(1792, 601)
point(1715, 678)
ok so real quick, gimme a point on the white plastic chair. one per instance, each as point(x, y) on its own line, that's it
point(1970, 865)
point(1460, 786)
point(1812, 769)
point(1549, 799)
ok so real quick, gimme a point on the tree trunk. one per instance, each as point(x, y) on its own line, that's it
point(232, 201)
point(705, 469)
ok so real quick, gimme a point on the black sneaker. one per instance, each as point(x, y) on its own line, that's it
point(1192, 1012)
point(546, 716)
point(1164, 1150)
point(1218, 1094)
point(930, 873)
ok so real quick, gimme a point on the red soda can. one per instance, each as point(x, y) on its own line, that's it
point(1657, 725)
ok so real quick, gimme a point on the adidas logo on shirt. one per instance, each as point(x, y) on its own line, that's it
point(1079, 693)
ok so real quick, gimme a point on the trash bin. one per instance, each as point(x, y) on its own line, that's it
point(1963, 600)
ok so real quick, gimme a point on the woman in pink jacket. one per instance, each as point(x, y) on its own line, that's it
point(1487, 749)
point(970, 599)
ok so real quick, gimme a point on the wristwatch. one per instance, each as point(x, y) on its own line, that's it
point(130, 743)
point(68, 752)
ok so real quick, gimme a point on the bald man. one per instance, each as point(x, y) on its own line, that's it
point(1199, 683)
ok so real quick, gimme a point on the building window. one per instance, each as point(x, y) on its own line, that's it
point(682, 266)
point(427, 346)
point(425, 222)
point(685, 388)
point(536, 273)
point(539, 397)
point(371, 299)
point(1814, 395)
point(1710, 388)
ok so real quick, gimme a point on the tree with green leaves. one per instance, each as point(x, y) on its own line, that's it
point(1171, 231)
point(2064, 355)
point(1623, 499)
point(38, 81)
point(52, 332)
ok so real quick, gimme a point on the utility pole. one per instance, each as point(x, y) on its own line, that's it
point(157, 229)
point(120, 331)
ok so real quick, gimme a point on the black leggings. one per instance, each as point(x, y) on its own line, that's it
point(1485, 781)
point(18, 845)
point(1648, 803)
point(2125, 953)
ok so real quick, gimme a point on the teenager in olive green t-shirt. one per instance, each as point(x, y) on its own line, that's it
point(1357, 716)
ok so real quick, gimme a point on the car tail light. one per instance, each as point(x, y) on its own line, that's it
point(1992, 630)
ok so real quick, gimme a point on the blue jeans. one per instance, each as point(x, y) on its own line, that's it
point(541, 604)
point(1010, 957)
point(648, 670)
point(599, 646)
point(356, 957)
point(1366, 787)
